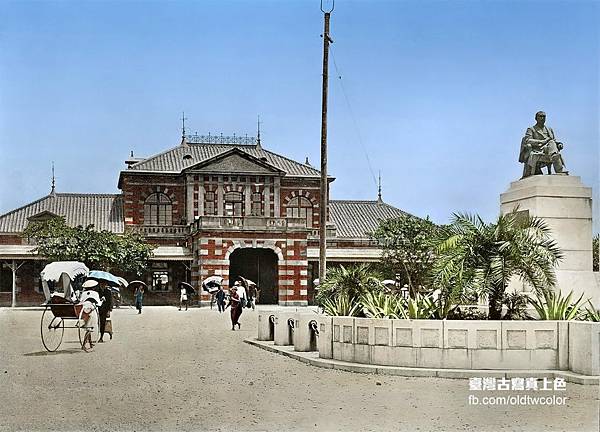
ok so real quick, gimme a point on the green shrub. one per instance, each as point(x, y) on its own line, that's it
point(468, 313)
point(591, 313)
point(341, 305)
point(516, 306)
point(552, 305)
point(382, 305)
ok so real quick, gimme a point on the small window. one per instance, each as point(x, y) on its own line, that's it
point(209, 203)
point(257, 208)
point(160, 281)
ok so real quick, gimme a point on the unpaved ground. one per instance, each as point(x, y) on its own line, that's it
point(170, 370)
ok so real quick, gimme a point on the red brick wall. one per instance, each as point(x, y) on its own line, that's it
point(212, 250)
point(12, 239)
point(136, 188)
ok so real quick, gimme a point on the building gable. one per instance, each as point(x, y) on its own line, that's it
point(236, 162)
point(42, 216)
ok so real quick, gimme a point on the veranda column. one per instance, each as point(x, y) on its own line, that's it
point(220, 197)
point(276, 197)
point(189, 205)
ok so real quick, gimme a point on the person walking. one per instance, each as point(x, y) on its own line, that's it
point(241, 292)
point(183, 297)
point(139, 298)
point(105, 308)
point(220, 296)
point(236, 309)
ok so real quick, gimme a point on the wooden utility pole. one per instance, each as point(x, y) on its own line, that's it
point(324, 203)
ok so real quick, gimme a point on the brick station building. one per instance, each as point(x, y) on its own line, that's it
point(212, 205)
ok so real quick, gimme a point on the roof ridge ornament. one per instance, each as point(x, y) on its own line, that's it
point(221, 139)
point(379, 200)
point(53, 189)
point(183, 136)
point(258, 133)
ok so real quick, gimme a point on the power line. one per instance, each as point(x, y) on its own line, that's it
point(356, 128)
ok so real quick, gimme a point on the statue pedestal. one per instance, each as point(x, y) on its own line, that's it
point(565, 204)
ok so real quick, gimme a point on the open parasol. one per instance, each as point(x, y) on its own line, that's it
point(104, 276)
point(246, 282)
point(189, 288)
point(134, 284)
point(212, 283)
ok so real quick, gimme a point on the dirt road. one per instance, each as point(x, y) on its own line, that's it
point(171, 370)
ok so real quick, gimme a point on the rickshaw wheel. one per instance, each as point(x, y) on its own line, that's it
point(52, 329)
point(89, 331)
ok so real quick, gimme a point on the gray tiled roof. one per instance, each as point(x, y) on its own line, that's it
point(355, 219)
point(104, 211)
point(172, 160)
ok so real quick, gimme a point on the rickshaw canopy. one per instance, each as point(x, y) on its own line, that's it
point(62, 273)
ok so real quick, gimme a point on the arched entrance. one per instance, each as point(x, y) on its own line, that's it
point(260, 266)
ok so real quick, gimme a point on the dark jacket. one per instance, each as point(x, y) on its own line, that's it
point(107, 304)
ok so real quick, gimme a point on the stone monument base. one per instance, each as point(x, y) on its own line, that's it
point(579, 282)
point(565, 204)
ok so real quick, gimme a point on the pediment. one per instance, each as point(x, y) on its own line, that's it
point(42, 216)
point(235, 162)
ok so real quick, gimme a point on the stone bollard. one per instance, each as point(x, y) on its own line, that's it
point(306, 329)
point(284, 334)
point(325, 339)
point(266, 325)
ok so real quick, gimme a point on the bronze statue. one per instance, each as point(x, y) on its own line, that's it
point(539, 148)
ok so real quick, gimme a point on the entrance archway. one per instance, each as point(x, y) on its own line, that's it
point(260, 266)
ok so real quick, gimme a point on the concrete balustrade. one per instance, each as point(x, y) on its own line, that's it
point(441, 344)
point(584, 347)
point(532, 345)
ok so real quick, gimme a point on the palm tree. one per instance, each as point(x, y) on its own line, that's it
point(475, 256)
point(349, 282)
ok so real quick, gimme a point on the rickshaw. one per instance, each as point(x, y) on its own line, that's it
point(66, 303)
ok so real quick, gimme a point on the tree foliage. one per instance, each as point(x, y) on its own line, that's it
point(105, 250)
point(480, 257)
point(407, 249)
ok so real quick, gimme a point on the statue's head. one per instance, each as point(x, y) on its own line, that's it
point(540, 116)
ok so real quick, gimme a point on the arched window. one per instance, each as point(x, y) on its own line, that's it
point(233, 204)
point(301, 207)
point(158, 210)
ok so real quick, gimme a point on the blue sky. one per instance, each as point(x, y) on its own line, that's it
point(435, 95)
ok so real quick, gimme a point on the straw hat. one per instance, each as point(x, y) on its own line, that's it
point(90, 283)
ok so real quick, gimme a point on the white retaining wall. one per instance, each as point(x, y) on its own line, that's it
point(532, 345)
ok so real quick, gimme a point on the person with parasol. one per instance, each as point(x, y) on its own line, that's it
point(234, 303)
point(186, 290)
